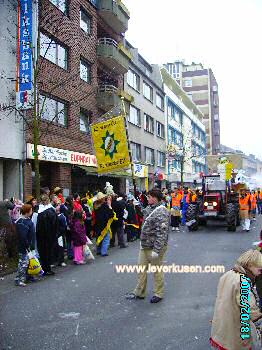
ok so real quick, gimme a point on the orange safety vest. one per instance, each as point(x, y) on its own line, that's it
point(253, 199)
point(243, 202)
point(194, 198)
point(176, 200)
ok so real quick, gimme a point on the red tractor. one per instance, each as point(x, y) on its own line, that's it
point(218, 201)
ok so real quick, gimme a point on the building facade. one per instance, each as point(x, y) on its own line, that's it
point(82, 65)
point(186, 141)
point(11, 124)
point(201, 86)
point(146, 121)
point(249, 163)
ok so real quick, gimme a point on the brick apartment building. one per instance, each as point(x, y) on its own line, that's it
point(82, 65)
point(201, 86)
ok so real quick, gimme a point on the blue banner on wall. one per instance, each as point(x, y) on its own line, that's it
point(25, 54)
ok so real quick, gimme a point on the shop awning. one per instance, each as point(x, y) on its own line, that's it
point(93, 171)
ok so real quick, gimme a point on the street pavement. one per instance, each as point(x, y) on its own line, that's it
point(84, 307)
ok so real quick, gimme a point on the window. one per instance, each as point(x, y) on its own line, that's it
point(171, 135)
point(133, 80)
point(53, 51)
point(178, 138)
point(136, 151)
point(174, 113)
point(149, 156)
point(148, 91)
point(85, 22)
point(148, 123)
point(53, 110)
point(216, 117)
point(61, 4)
point(188, 83)
point(85, 71)
point(160, 129)
point(177, 164)
point(161, 160)
point(134, 116)
point(84, 122)
point(159, 101)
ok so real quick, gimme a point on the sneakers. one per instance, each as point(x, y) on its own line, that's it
point(133, 296)
point(177, 229)
point(20, 284)
point(63, 264)
point(155, 299)
point(173, 228)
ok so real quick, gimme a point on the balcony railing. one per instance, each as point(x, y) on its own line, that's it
point(115, 14)
point(107, 97)
point(112, 55)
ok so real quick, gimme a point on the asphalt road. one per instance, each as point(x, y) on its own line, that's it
point(83, 307)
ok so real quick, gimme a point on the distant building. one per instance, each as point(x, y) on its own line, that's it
point(186, 131)
point(201, 86)
point(249, 163)
point(146, 121)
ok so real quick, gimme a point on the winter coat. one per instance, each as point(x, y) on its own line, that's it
point(47, 227)
point(118, 207)
point(132, 217)
point(225, 333)
point(78, 233)
point(154, 234)
point(102, 214)
point(62, 225)
point(25, 234)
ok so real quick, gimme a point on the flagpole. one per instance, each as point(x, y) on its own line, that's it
point(129, 148)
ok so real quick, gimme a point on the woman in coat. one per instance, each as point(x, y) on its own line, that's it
point(226, 325)
point(103, 218)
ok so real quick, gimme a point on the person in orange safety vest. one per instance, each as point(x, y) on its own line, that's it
point(176, 199)
point(244, 204)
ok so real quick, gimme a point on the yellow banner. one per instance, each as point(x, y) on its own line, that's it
point(110, 141)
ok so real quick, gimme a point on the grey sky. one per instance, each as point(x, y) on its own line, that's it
point(224, 35)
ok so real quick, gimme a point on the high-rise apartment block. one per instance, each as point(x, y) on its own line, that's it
point(201, 86)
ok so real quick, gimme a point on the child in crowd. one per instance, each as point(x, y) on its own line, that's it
point(78, 234)
point(26, 238)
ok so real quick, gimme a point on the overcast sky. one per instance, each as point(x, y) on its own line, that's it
point(224, 35)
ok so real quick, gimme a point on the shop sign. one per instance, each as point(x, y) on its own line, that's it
point(141, 170)
point(51, 154)
point(24, 84)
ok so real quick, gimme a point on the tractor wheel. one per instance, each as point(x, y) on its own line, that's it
point(231, 217)
point(191, 214)
point(237, 211)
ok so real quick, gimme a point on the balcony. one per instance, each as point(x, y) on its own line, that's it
point(109, 96)
point(113, 55)
point(115, 14)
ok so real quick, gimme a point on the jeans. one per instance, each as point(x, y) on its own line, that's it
point(103, 247)
point(184, 210)
point(259, 207)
